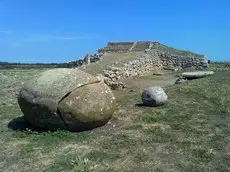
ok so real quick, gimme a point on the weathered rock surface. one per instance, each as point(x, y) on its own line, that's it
point(154, 96)
point(196, 74)
point(92, 104)
point(66, 99)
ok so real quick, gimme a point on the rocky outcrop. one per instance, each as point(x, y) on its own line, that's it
point(66, 99)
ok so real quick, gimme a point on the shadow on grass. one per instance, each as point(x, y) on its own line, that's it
point(20, 124)
point(141, 105)
point(145, 105)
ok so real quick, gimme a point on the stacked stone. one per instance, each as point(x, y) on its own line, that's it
point(132, 68)
point(93, 58)
point(112, 76)
point(141, 66)
point(172, 60)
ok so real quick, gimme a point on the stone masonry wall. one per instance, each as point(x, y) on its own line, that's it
point(93, 58)
point(141, 66)
point(179, 61)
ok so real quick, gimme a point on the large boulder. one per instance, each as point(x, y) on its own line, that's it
point(196, 74)
point(154, 96)
point(66, 99)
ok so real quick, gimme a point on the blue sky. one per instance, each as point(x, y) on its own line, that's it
point(62, 30)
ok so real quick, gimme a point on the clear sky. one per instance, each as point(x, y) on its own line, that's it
point(62, 30)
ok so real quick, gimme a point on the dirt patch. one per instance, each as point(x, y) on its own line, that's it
point(148, 80)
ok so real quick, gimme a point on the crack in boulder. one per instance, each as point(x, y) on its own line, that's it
point(65, 96)
point(61, 117)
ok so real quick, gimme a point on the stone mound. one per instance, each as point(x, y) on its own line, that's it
point(140, 58)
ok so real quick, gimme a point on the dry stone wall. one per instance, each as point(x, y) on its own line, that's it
point(93, 58)
point(141, 66)
point(179, 61)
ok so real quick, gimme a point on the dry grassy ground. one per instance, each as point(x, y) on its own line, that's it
point(190, 133)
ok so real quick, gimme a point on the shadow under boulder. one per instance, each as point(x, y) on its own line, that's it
point(20, 124)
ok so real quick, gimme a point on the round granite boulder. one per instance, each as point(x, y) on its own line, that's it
point(154, 96)
point(66, 99)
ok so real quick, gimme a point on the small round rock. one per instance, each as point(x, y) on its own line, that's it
point(154, 96)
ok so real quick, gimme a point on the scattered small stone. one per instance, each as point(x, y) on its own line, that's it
point(169, 68)
point(158, 73)
point(132, 90)
point(180, 81)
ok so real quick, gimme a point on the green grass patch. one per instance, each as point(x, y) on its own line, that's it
point(70, 163)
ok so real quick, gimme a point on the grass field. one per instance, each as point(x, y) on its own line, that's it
point(189, 133)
